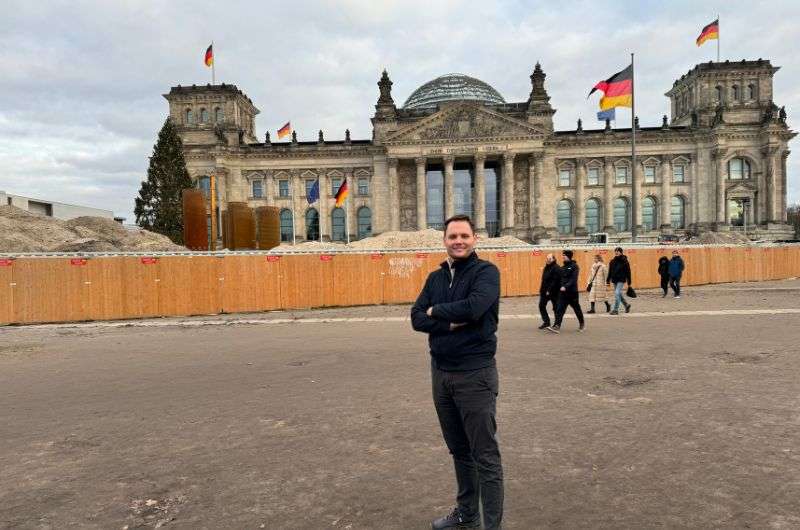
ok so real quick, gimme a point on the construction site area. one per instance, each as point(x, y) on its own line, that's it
point(681, 414)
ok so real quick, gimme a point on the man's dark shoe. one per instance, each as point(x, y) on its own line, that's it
point(544, 325)
point(628, 308)
point(456, 520)
point(591, 311)
point(554, 329)
point(614, 313)
point(581, 327)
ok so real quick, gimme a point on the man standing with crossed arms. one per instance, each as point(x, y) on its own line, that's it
point(458, 309)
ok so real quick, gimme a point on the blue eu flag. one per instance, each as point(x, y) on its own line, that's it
point(609, 114)
point(313, 193)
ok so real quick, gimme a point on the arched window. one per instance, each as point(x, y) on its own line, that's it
point(338, 232)
point(622, 215)
point(203, 116)
point(677, 212)
point(189, 117)
point(219, 115)
point(738, 169)
point(287, 226)
point(649, 213)
point(564, 217)
point(751, 92)
point(735, 92)
point(719, 94)
point(312, 225)
point(364, 222)
point(593, 215)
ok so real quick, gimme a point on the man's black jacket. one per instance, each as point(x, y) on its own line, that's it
point(619, 270)
point(569, 277)
point(551, 280)
point(471, 297)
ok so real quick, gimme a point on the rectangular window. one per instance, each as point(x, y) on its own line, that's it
point(622, 175)
point(649, 174)
point(678, 173)
point(309, 185)
point(283, 188)
point(594, 176)
point(564, 177)
point(335, 183)
point(363, 186)
point(258, 189)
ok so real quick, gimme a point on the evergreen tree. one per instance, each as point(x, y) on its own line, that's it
point(159, 204)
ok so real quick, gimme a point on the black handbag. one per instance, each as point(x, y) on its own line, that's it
point(631, 293)
point(589, 287)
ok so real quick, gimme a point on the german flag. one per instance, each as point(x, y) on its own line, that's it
point(341, 195)
point(285, 131)
point(709, 32)
point(616, 89)
point(210, 55)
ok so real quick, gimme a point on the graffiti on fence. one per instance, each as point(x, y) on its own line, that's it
point(403, 267)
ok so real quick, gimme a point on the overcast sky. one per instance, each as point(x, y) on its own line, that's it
point(82, 82)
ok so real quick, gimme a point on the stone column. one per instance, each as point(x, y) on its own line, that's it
point(322, 206)
point(449, 187)
point(771, 161)
point(532, 195)
point(538, 187)
point(691, 207)
point(719, 163)
point(666, 192)
point(394, 196)
point(636, 190)
point(784, 218)
point(580, 207)
point(479, 195)
point(379, 193)
point(269, 187)
point(297, 191)
point(608, 198)
point(349, 205)
point(508, 193)
point(422, 194)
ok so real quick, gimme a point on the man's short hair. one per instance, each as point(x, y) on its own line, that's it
point(618, 249)
point(567, 253)
point(459, 217)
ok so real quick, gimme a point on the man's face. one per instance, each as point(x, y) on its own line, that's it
point(459, 239)
point(617, 253)
point(674, 253)
point(550, 258)
point(565, 258)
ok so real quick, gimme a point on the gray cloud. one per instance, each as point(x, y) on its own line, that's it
point(82, 84)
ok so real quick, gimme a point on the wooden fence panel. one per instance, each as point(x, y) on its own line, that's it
point(520, 274)
point(252, 283)
point(7, 289)
point(102, 296)
point(405, 274)
point(357, 279)
point(48, 290)
point(190, 285)
point(139, 287)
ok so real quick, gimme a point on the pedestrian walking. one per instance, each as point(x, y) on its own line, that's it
point(568, 293)
point(549, 289)
point(619, 273)
point(663, 272)
point(458, 309)
point(676, 267)
point(597, 284)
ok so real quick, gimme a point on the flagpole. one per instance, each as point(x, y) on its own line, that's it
point(213, 65)
point(634, 183)
point(294, 224)
point(346, 222)
point(718, 37)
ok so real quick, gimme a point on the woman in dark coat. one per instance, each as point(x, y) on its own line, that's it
point(549, 289)
point(663, 271)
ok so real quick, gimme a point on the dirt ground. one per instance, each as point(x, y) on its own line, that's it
point(683, 414)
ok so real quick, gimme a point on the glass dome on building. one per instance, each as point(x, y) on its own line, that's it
point(452, 87)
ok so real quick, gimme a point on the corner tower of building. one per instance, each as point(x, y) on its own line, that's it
point(212, 113)
point(742, 91)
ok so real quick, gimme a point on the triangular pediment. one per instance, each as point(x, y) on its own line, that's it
point(744, 188)
point(464, 121)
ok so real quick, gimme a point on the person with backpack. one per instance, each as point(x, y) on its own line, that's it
point(549, 289)
point(568, 293)
point(619, 273)
point(676, 267)
point(663, 272)
point(597, 284)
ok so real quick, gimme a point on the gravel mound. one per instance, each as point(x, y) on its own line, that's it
point(22, 231)
point(429, 238)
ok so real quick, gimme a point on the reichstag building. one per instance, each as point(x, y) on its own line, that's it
point(718, 162)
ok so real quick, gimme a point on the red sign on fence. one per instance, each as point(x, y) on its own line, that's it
point(78, 261)
point(273, 259)
point(422, 255)
point(501, 254)
point(6, 262)
point(326, 257)
point(376, 257)
point(149, 261)
point(537, 252)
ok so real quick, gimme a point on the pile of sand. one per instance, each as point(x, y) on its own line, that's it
point(22, 231)
point(429, 238)
point(721, 238)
